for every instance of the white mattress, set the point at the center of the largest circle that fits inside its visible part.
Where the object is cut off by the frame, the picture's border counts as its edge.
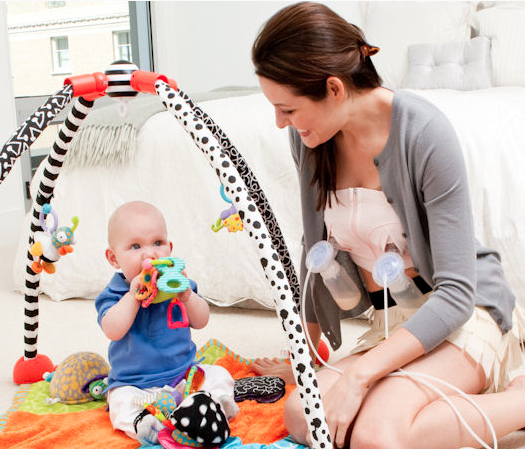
(169, 171)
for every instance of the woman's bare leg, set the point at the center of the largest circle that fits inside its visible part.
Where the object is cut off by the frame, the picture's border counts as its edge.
(401, 413)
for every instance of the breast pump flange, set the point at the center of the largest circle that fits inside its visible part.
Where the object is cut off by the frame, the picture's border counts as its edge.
(321, 259)
(389, 272)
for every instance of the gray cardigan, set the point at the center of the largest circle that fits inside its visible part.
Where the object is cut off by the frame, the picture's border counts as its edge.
(423, 176)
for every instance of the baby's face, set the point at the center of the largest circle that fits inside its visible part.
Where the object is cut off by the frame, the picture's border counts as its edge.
(139, 236)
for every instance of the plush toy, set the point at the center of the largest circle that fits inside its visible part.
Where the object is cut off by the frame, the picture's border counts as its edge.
(51, 243)
(263, 389)
(191, 415)
(80, 378)
(229, 218)
(196, 421)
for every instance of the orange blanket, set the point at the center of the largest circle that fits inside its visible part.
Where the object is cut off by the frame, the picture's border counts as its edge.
(255, 423)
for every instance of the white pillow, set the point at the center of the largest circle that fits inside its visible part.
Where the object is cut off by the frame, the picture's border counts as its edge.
(505, 27)
(452, 65)
(393, 26)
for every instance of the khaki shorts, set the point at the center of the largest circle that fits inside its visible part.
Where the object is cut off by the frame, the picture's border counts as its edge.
(499, 354)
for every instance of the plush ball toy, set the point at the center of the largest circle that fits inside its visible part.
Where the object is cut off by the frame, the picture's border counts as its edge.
(80, 378)
(199, 421)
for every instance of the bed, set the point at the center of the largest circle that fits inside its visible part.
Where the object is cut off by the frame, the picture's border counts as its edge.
(459, 55)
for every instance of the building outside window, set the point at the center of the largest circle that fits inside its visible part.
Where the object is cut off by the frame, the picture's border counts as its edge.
(61, 60)
(52, 40)
(56, 4)
(122, 45)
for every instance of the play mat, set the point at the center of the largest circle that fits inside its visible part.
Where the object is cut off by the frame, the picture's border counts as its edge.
(31, 423)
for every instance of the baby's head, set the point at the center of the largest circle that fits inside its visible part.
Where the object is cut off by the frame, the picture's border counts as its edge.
(136, 231)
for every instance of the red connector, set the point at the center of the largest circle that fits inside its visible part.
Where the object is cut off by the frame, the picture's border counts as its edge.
(145, 81)
(91, 86)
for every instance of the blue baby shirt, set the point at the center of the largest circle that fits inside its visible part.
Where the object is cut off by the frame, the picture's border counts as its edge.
(150, 354)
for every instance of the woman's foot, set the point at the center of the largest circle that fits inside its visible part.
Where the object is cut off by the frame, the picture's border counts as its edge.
(274, 367)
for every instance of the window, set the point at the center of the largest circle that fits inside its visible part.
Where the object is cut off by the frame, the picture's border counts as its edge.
(56, 4)
(60, 47)
(122, 45)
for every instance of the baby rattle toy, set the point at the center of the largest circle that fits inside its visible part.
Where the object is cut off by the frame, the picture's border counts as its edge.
(161, 280)
(229, 218)
(52, 243)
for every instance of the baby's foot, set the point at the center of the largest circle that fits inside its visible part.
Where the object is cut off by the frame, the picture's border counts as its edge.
(148, 429)
(229, 407)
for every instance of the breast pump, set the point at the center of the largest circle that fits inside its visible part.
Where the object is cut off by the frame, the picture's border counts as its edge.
(321, 259)
(389, 273)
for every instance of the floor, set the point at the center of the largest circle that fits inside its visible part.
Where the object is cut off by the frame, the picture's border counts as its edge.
(70, 326)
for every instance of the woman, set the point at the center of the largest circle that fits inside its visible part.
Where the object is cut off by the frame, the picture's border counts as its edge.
(381, 169)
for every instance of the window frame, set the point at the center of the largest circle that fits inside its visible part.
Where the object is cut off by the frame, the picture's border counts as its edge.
(117, 46)
(55, 56)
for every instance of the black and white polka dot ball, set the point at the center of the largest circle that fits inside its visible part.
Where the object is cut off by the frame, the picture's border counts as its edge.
(202, 419)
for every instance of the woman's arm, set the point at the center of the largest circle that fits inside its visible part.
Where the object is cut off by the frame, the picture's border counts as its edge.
(399, 349)
(441, 177)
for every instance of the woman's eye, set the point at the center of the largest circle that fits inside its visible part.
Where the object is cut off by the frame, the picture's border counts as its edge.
(135, 246)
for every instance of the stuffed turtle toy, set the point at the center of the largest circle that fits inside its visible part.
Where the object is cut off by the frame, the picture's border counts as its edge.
(80, 378)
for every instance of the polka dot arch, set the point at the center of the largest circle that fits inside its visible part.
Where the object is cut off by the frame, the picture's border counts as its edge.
(253, 222)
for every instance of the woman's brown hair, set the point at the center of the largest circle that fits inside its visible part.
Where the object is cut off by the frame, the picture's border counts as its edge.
(300, 47)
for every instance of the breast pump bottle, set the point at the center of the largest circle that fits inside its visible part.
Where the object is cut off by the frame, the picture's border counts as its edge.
(391, 268)
(321, 259)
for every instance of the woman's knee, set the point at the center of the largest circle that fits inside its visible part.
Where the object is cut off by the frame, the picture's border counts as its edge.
(294, 418)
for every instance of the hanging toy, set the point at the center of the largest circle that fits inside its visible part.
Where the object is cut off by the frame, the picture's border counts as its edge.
(52, 243)
(229, 218)
(161, 280)
(119, 84)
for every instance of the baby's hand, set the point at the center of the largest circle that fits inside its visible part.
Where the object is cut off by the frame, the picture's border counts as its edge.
(135, 284)
(185, 295)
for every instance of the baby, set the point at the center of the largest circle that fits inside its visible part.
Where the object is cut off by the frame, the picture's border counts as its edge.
(147, 355)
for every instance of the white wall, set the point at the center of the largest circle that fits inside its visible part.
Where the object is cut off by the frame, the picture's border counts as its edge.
(11, 193)
(207, 44)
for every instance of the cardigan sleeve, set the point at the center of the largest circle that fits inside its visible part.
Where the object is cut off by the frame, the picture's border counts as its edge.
(441, 179)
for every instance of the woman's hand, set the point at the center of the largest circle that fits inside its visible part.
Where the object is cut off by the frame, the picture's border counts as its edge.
(341, 404)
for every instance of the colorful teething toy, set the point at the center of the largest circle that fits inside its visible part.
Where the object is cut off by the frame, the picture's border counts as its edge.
(229, 218)
(51, 243)
(162, 280)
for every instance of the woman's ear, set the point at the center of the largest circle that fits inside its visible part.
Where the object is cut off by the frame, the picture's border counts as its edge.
(112, 258)
(335, 87)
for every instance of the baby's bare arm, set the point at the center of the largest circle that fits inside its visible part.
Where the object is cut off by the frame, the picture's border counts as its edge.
(196, 307)
(119, 318)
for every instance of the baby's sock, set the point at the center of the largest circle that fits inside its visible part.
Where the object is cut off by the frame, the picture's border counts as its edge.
(229, 406)
(148, 430)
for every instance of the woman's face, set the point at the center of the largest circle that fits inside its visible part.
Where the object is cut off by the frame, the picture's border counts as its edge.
(315, 121)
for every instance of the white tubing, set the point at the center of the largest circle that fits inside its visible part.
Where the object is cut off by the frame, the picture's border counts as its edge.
(418, 377)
